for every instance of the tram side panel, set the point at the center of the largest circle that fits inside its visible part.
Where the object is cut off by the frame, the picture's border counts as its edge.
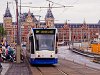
(30, 48)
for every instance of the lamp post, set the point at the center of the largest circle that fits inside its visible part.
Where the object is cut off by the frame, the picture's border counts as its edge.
(18, 40)
(70, 35)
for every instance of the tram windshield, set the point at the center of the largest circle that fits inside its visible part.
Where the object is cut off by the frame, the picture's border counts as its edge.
(44, 42)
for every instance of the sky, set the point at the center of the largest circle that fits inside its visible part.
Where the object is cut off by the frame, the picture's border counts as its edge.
(88, 10)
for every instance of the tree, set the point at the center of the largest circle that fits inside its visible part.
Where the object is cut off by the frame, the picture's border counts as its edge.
(2, 32)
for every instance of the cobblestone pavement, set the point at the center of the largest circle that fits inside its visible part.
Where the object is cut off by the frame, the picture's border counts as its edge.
(19, 69)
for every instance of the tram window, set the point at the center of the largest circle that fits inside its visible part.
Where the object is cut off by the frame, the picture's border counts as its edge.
(32, 47)
(37, 44)
(44, 42)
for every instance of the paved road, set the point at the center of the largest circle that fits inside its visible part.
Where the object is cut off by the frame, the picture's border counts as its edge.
(69, 55)
(5, 68)
(19, 69)
(63, 52)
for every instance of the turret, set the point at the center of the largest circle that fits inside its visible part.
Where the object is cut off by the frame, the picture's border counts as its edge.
(49, 18)
(7, 18)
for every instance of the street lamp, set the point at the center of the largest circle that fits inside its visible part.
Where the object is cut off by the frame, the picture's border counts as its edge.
(18, 40)
(17, 21)
(70, 35)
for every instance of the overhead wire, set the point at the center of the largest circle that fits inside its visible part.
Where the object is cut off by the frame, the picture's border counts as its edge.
(56, 3)
(12, 3)
(71, 3)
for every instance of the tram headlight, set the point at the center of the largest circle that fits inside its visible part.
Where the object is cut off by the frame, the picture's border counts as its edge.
(52, 53)
(37, 53)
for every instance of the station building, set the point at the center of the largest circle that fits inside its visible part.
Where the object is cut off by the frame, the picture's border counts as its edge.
(66, 32)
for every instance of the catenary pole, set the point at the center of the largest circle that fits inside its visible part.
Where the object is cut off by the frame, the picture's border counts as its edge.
(18, 40)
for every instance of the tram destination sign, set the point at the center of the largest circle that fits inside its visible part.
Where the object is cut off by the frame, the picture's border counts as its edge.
(44, 31)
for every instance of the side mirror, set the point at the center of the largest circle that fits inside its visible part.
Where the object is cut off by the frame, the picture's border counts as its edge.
(56, 51)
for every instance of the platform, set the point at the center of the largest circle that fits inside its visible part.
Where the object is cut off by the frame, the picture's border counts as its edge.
(5, 67)
(18, 69)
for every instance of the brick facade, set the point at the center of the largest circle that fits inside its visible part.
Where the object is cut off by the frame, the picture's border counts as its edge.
(66, 32)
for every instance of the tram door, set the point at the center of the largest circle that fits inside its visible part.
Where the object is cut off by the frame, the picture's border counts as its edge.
(31, 44)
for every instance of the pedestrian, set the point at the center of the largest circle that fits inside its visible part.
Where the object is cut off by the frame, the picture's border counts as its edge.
(0, 56)
(23, 47)
(23, 53)
(10, 54)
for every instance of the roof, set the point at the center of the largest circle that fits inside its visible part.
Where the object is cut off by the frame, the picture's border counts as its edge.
(49, 14)
(42, 23)
(99, 22)
(59, 25)
(24, 16)
(94, 25)
(76, 25)
(7, 12)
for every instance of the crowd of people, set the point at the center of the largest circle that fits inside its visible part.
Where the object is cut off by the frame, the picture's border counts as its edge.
(7, 53)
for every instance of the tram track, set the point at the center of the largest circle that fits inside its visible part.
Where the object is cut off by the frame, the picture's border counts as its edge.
(34, 70)
(64, 67)
(64, 73)
(47, 70)
(71, 68)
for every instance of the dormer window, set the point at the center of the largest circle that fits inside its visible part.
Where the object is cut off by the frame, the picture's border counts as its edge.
(29, 19)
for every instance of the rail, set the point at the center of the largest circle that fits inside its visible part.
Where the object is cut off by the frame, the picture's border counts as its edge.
(85, 53)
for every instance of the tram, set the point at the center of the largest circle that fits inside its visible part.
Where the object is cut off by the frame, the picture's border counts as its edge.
(42, 46)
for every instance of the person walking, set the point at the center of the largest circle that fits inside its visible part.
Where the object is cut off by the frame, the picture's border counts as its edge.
(23, 53)
(0, 58)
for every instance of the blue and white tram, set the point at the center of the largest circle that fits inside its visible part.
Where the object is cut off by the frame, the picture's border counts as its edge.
(42, 46)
